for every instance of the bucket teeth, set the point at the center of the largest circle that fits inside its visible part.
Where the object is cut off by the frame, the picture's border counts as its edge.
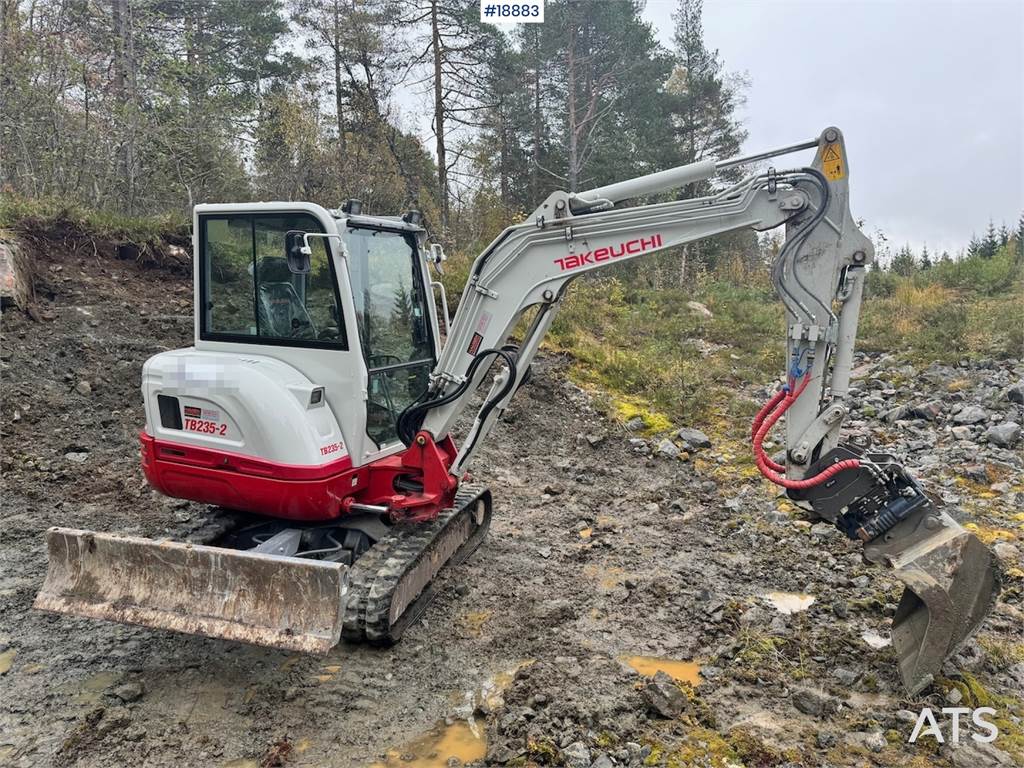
(951, 582)
(282, 602)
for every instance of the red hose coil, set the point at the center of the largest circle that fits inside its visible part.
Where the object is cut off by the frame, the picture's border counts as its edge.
(766, 418)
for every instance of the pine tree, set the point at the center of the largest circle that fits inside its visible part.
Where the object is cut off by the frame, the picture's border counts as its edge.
(926, 261)
(990, 243)
(903, 263)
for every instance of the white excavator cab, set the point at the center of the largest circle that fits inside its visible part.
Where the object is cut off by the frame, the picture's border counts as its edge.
(356, 320)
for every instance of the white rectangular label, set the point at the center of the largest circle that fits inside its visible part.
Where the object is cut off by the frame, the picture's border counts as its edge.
(496, 12)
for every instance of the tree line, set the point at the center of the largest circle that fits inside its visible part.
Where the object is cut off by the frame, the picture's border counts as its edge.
(150, 106)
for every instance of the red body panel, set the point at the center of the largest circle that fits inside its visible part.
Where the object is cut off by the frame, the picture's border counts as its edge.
(306, 493)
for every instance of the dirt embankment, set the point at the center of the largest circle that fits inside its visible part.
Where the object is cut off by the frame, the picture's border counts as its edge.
(602, 550)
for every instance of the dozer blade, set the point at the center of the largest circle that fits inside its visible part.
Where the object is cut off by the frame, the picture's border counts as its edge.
(281, 602)
(951, 582)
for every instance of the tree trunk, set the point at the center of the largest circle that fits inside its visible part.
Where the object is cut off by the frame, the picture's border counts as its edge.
(442, 158)
(570, 107)
(538, 123)
(338, 108)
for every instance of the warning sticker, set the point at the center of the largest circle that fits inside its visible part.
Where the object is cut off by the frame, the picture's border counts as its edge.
(832, 162)
(474, 344)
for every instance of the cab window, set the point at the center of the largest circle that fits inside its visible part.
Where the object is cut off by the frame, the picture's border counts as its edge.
(250, 295)
(394, 327)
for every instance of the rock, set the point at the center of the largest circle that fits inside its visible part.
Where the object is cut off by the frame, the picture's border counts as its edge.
(814, 703)
(1008, 553)
(664, 697)
(899, 413)
(577, 755)
(976, 472)
(697, 308)
(83, 387)
(827, 739)
(972, 414)
(602, 761)
(875, 741)
(846, 676)
(1004, 435)
(954, 696)
(114, 718)
(961, 432)
(76, 456)
(595, 440)
(928, 411)
(693, 439)
(978, 755)
(861, 581)
(1015, 393)
(906, 716)
(553, 490)
(15, 285)
(635, 424)
(129, 692)
(667, 449)
(555, 611)
(823, 530)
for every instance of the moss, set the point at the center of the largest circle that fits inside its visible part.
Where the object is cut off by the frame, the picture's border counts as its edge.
(755, 752)
(606, 739)
(655, 756)
(704, 747)
(542, 751)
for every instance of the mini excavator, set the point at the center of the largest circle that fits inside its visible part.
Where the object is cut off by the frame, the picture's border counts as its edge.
(319, 400)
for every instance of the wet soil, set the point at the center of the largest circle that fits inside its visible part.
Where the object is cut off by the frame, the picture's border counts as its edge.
(599, 553)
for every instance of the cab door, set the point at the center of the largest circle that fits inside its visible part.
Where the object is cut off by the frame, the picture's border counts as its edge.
(393, 314)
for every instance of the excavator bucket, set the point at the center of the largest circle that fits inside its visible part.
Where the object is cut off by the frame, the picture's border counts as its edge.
(283, 602)
(951, 582)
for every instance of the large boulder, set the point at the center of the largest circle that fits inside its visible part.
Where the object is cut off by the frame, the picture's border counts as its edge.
(1004, 435)
(15, 285)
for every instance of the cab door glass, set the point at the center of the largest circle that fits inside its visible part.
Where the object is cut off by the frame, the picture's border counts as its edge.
(391, 312)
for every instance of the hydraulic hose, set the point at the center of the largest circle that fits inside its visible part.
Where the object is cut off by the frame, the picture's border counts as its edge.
(411, 418)
(766, 418)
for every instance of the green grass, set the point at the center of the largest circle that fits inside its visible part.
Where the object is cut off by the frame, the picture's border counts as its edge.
(47, 214)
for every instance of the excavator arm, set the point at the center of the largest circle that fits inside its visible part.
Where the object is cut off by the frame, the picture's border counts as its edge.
(819, 276)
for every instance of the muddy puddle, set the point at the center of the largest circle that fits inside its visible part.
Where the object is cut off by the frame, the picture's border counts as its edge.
(461, 737)
(680, 670)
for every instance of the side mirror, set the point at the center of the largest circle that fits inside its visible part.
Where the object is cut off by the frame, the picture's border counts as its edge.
(296, 252)
(437, 254)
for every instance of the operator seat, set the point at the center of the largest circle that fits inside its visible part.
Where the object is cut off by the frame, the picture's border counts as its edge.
(281, 312)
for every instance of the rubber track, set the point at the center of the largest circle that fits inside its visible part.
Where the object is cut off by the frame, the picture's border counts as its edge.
(378, 573)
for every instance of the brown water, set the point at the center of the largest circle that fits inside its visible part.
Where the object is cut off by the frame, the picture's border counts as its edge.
(679, 670)
(460, 740)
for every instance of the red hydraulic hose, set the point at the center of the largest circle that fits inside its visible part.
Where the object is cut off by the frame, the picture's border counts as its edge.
(765, 420)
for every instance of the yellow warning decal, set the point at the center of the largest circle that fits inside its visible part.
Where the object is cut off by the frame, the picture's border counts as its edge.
(832, 162)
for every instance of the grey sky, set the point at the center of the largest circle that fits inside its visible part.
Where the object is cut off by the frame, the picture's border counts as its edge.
(930, 96)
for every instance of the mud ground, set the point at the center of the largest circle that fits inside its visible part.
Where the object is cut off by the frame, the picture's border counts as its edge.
(599, 551)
